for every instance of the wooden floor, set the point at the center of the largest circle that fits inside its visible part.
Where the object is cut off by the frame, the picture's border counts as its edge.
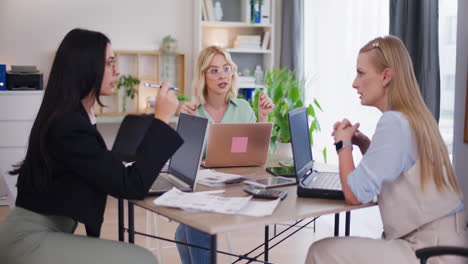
(364, 222)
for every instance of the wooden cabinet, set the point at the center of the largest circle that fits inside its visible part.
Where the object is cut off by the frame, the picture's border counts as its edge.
(237, 23)
(147, 66)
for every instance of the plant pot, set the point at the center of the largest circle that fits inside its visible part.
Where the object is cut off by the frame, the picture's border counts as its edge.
(179, 107)
(283, 154)
(126, 104)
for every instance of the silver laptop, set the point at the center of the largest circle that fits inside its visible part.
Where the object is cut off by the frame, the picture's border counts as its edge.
(237, 144)
(184, 164)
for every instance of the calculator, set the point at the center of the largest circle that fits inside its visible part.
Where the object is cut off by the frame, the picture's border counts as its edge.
(258, 192)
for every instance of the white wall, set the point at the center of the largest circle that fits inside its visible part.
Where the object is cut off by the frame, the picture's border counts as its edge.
(30, 31)
(460, 149)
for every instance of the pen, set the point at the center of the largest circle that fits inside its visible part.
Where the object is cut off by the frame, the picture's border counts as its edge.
(211, 192)
(159, 86)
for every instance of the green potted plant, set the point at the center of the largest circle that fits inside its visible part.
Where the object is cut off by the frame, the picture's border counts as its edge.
(169, 44)
(286, 91)
(129, 85)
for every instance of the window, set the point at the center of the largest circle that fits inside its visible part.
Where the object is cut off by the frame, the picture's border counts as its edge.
(335, 30)
(447, 53)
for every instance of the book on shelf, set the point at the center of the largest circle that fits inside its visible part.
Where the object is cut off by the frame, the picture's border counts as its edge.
(255, 12)
(246, 79)
(247, 42)
(204, 13)
(265, 12)
(209, 10)
(266, 39)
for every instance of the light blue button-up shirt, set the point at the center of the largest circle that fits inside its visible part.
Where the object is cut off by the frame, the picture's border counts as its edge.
(393, 151)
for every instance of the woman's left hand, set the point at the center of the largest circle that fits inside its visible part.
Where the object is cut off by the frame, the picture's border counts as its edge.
(344, 130)
(265, 106)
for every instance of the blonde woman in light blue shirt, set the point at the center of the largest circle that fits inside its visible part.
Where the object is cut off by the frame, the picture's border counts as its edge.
(215, 87)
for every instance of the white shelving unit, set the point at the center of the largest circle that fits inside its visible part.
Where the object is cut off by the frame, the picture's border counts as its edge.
(19, 110)
(236, 21)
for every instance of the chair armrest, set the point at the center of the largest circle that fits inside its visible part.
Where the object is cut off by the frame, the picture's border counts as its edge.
(425, 253)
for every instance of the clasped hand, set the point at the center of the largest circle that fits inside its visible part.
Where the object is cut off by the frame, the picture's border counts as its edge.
(346, 131)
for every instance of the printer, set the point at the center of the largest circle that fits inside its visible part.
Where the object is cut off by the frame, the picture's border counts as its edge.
(24, 78)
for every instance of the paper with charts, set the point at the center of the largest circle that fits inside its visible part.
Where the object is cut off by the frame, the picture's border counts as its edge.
(213, 178)
(215, 204)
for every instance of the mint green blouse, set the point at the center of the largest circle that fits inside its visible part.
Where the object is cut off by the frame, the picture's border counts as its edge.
(238, 111)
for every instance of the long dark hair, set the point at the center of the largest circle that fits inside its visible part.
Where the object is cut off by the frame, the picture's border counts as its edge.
(77, 71)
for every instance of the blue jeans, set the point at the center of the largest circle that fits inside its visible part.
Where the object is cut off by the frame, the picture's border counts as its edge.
(192, 255)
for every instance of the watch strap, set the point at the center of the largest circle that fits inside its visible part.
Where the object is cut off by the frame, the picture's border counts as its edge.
(342, 144)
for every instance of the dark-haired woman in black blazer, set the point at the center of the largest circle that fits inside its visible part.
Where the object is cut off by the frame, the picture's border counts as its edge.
(68, 172)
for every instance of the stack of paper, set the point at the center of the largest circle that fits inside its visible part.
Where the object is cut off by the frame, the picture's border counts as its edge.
(212, 178)
(215, 204)
(247, 42)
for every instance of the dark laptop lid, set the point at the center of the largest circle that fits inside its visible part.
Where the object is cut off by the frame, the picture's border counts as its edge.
(300, 142)
(303, 161)
(185, 162)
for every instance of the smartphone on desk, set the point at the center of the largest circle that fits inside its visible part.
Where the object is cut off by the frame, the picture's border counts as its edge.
(282, 171)
(262, 193)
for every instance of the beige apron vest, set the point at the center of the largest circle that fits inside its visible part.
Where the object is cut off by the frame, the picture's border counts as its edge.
(404, 206)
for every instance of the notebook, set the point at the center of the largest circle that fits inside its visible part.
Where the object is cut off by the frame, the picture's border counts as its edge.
(310, 183)
(185, 162)
(237, 144)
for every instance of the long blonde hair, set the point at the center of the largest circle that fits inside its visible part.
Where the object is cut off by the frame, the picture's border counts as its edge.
(404, 96)
(203, 62)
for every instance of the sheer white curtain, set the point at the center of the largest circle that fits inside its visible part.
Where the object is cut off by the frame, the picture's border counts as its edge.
(335, 30)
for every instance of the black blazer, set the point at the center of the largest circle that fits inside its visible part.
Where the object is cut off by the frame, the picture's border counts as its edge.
(85, 171)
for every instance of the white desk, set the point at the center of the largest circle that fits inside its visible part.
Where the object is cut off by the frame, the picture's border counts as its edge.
(291, 208)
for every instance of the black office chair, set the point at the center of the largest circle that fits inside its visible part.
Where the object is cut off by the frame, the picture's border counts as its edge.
(424, 253)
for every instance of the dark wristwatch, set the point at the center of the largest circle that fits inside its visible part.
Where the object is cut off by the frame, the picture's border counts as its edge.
(341, 144)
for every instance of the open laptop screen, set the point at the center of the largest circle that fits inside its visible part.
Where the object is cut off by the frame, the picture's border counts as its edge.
(300, 141)
(185, 162)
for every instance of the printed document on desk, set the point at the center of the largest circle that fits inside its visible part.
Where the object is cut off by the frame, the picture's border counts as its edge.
(212, 178)
(215, 204)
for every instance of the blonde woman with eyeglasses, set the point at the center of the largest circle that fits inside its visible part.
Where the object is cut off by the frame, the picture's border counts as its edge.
(215, 88)
(406, 165)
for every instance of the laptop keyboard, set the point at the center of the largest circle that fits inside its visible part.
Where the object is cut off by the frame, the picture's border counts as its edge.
(161, 183)
(326, 180)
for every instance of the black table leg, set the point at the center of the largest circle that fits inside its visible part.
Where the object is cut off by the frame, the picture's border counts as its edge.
(348, 223)
(337, 224)
(267, 234)
(120, 208)
(131, 223)
(213, 249)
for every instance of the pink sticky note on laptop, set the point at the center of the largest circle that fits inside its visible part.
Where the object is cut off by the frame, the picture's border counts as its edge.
(239, 144)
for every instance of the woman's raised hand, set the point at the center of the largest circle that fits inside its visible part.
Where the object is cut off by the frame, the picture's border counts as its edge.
(166, 103)
(265, 106)
(188, 108)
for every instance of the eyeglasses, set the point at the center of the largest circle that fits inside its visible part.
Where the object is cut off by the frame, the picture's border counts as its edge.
(217, 71)
(112, 62)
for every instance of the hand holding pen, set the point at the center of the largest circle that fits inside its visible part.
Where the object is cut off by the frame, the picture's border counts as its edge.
(159, 86)
(167, 104)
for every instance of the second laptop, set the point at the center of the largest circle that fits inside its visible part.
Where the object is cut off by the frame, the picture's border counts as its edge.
(237, 144)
